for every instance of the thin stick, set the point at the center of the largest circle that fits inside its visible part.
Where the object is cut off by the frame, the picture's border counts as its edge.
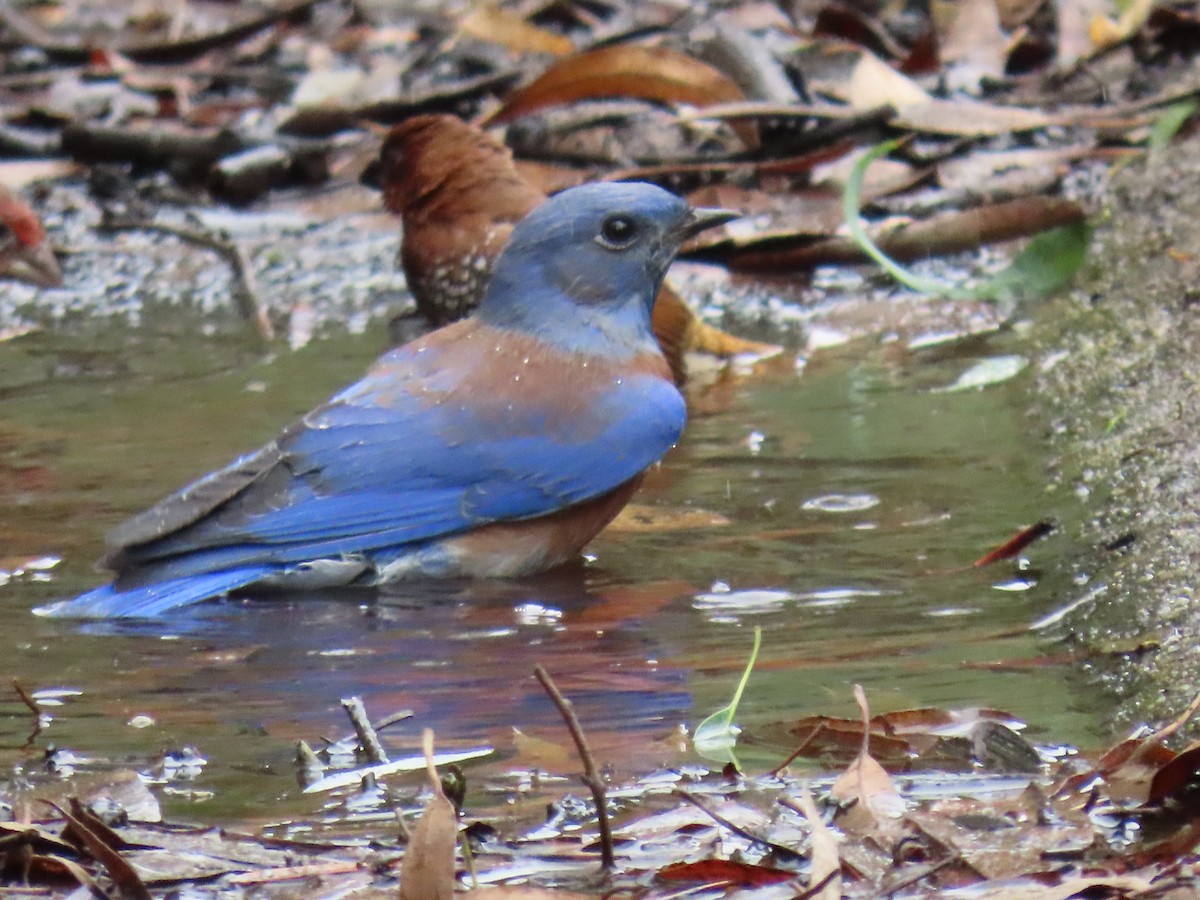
(26, 699)
(779, 850)
(33, 708)
(245, 290)
(591, 776)
(367, 738)
(804, 744)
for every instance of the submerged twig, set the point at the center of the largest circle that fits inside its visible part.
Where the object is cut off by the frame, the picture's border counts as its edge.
(367, 738)
(591, 776)
(245, 290)
(795, 754)
(33, 708)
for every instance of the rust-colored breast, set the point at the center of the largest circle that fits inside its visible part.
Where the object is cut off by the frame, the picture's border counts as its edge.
(507, 549)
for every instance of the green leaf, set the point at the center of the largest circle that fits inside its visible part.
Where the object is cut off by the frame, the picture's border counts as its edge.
(1048, 262)
(716, 736)
(1167, 125)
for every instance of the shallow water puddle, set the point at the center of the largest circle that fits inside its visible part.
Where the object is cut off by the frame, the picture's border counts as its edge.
(840, 509)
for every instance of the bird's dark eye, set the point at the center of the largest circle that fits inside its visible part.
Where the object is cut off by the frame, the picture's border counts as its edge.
(617, 232)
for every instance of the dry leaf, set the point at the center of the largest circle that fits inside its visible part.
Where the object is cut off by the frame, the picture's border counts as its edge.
(655, 74)
(16, 174)
(128, 881)
(1104, 32)
(874, 83)
(1074, 19)
(824, 851)
(427, 872)
(964, 117)
(974, 42)
(725, 872)
(866, 781)
(499, 26)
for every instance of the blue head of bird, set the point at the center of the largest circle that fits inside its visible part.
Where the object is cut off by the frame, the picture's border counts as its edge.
(581, 271)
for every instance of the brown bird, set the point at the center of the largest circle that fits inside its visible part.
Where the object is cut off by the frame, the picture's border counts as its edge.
(25, 254)
(459, 195)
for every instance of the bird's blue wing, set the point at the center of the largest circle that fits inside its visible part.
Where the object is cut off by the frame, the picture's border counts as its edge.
(359, 475)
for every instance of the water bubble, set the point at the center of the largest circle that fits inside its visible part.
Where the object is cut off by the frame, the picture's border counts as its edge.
(841, 503)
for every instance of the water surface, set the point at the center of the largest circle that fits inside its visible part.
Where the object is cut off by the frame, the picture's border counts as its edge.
(856, 496)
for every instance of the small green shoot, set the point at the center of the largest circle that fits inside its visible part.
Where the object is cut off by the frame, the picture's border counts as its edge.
(1115, 422)
(852, 203)
(1048, 262)
(716, 736)
(1167, 125)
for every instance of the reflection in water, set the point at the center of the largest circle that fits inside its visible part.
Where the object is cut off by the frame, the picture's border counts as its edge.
(854, 497)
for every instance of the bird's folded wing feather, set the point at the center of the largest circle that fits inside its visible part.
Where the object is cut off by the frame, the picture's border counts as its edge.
(367, 472)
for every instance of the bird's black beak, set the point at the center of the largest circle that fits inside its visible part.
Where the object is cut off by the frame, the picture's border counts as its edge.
(701, 218)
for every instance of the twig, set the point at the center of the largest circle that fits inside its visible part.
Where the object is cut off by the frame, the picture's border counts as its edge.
(26, 699)
(804, 744)
(398, 716)
(245, 290)
(925, 872)
(591, 776)
(367, 738)
(33, 708)
(779, 850)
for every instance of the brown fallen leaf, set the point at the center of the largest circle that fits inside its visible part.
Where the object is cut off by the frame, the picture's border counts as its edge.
(427, 872)
(42, 867)
(656, 74)
(973, 43)
(866, 783)
(965, 117)
(491, 23)
(126, 878)
(1073, 23)
(724, 872)
(1175, 776)
(1130, 766)
(826, 868)
(874, 83)
(1106, 32)
(1016, 543)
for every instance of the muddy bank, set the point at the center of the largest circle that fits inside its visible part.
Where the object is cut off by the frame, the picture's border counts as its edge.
(1118, 394)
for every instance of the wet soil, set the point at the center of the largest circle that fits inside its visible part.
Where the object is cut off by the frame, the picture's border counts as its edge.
(1119, 398)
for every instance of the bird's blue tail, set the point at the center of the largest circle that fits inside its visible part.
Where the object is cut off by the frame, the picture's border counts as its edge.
(150, 600)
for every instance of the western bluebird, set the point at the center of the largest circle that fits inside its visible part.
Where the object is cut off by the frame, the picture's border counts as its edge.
(459, 195)
(496, 446)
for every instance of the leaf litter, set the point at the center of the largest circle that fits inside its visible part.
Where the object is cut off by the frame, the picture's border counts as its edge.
(898, 816)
